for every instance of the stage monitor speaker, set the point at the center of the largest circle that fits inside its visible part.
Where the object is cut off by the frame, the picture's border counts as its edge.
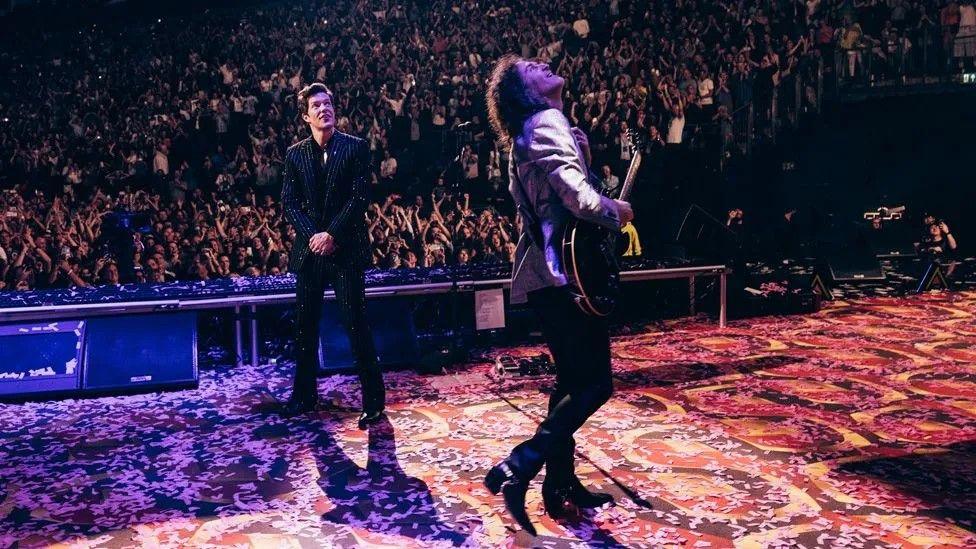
(893, 240)
(141, 352)
(810, 282)
(855, 268)
(40, 358)
(851, 257)
(394, 334)
(933, 277)
(704, 236)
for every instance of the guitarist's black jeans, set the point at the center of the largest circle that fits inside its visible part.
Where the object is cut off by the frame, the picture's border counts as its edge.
(580, 346)
(350, 290)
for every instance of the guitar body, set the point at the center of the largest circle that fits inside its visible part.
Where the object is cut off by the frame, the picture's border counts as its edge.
(590, 253)
(589, 258)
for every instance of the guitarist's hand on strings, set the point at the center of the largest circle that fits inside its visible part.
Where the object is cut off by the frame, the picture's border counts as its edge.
(625, 211)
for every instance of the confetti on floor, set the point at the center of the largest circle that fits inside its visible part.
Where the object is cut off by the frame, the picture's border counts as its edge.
(852, 427)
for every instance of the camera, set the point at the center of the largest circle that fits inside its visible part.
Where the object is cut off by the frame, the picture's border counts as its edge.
(886, 214)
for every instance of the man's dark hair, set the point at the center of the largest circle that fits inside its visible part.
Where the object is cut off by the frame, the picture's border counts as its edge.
(510, 103)
(307, 92)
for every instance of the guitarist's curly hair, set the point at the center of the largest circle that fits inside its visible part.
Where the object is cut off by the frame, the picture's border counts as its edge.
(509, 101)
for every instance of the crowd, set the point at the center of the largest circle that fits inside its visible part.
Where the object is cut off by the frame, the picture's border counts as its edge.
(66, 241)
(186, 119)
(879, 40)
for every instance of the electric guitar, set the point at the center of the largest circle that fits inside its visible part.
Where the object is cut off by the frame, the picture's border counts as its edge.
(590, 252)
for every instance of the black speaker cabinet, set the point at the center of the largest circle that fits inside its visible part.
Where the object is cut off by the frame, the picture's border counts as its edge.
(141, 352)
(855, 268)
(394, 334)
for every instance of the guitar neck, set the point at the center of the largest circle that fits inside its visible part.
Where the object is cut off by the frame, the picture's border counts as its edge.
(635, 162)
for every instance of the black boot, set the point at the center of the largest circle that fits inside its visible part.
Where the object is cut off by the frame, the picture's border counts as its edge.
(369, 417)
(374, 396)
(502, 479)
(557, 498)
(562, 490)
(298, 405)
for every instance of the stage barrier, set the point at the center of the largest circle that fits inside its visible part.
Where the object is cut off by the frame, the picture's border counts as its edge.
(98, 348)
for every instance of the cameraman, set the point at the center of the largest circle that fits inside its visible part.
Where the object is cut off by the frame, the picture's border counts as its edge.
(938, 243)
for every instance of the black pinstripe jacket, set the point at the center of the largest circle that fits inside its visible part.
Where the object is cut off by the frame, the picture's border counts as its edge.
(328, 198)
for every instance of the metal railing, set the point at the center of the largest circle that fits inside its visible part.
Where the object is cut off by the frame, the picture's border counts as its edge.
(762, 118)
(796, 94)
(933, 58)
(743, 119)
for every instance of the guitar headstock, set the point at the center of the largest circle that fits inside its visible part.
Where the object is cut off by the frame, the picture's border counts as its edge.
(636, 139)
(636, 145)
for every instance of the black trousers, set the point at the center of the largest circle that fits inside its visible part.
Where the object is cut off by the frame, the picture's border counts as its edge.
(350, 290)
(580, 346)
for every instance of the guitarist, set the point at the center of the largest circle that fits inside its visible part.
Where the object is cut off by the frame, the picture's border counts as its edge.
(549, 182)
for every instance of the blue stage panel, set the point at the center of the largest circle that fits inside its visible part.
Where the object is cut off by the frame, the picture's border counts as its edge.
(40, 357)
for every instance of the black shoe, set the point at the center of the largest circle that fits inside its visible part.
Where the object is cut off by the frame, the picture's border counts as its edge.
(368, 418)
(557, 500)
(501, 479)
(297, 406)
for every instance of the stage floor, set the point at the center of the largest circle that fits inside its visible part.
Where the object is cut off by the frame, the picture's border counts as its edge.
(853, 427)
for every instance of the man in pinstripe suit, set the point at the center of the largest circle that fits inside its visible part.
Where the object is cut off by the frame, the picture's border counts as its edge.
(324, 198)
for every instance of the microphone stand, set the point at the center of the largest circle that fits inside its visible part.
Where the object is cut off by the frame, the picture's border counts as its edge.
(461, 139)
(451, 352)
